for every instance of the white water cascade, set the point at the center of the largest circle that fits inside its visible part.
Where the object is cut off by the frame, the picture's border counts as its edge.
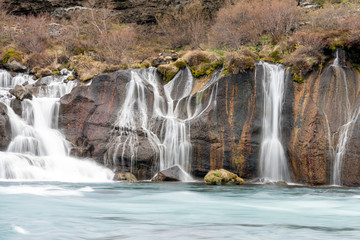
(273, 162)
(351, 114)
(171, 105)
(38, 151)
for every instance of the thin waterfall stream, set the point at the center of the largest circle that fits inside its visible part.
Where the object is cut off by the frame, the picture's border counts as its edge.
(351, 114)
(165, 120)
(273, 162)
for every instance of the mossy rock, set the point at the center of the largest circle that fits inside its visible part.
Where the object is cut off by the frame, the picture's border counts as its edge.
(202, 69)
(70, 78)
(222, 176)
(168, 71)
(11, 55)
(237, 62)
(125, 177)
(180, 63)
(42, 72)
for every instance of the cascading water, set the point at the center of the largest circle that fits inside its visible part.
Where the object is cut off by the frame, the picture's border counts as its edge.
(38, 151)
(351, 114)
(273, 162)
(171, 105)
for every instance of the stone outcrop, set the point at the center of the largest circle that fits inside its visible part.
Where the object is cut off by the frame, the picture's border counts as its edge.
(174, 173)
(222, 176)
(5, 128)
(127, 11)
(125, 177)
(87, 117)
(22, 92)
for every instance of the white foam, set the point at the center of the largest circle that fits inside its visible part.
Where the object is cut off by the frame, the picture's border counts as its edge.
(39, 191)
(20, 230)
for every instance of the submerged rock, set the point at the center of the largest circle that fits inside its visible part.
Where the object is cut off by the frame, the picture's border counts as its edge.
(222, 176)
(174, 173)
(125, 177)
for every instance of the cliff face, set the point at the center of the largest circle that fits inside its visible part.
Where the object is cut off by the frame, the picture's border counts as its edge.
(319, 124)
(127, 11)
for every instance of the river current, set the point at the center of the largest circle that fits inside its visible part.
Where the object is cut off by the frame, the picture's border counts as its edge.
(53, 210)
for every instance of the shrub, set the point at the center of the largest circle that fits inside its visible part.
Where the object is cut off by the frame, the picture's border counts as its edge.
(183, 27)
(246, 21)
(32, 35)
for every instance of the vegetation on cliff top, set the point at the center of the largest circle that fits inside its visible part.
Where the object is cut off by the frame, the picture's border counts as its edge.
(93, 41)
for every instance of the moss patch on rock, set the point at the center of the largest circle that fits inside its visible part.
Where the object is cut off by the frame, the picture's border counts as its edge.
(222, 176)
(168, 71)
(125, 177)
(11, 55)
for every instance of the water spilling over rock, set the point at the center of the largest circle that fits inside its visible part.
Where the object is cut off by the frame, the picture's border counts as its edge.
(273, 162)
(157, 117)
(38, 151)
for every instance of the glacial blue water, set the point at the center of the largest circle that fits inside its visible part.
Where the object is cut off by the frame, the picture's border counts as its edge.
(109, 211)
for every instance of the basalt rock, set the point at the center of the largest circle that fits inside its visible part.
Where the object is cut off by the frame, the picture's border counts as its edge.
(228, 134)
(15, 66)
(5, 128)
(87, 117)
(125, 177)
(222, 176)
(22, 92)
(127, 11)
(174, 173)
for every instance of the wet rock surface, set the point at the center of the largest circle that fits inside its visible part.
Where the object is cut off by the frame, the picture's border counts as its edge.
(227, 135)
(5, 128)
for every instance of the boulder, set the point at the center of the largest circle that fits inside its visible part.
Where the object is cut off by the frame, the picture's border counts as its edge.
(174, 173)
(15, 66)
(22, 92)
(222, 176)
(125, 177)
(15, 104)
(5, 128)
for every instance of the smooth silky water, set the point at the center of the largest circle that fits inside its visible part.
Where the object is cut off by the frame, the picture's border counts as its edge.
(50, 210)
(51, 202)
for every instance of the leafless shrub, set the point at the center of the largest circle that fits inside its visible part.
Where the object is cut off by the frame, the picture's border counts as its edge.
(30, 34)
(247, 20)
(186, 26)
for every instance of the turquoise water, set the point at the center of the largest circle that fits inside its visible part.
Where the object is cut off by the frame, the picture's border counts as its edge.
(47, 210)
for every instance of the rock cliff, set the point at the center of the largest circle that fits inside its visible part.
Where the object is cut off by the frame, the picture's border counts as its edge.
(127, 11)
(228, 133)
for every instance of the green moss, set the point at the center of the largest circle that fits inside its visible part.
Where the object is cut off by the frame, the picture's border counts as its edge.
(320, 2)
(199, 96)
(10, 55)
(297, 77)
(71, 78)
(222, 176)
(168, 71)
(56, 72)
(180, 63)
(202, 69)
(88, 78)
(275, 55)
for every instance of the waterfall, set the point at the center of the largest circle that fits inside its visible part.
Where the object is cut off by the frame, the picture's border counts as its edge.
(273, 162)
(351, 114)
(165, 120)
(38, 150)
